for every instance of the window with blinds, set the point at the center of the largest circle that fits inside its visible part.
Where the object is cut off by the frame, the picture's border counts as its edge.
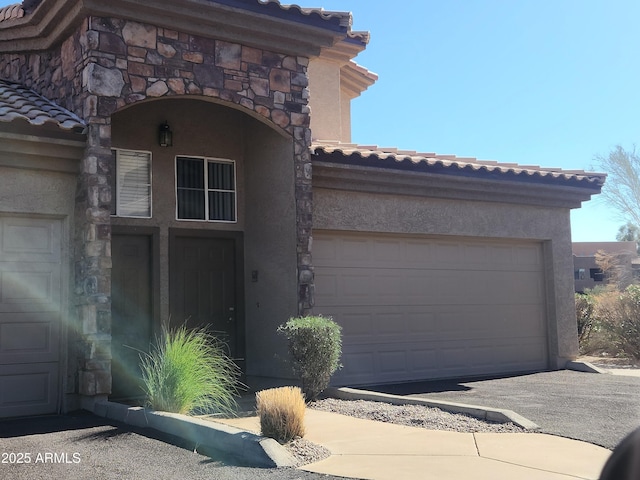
(132, 184)
(205, 189)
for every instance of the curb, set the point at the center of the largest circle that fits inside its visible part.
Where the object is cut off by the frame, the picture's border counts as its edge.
(247, 447)
(483, 413)
(584, 367)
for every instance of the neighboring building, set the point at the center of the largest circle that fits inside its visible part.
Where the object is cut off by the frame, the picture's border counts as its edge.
(623, 257)
(191, 162)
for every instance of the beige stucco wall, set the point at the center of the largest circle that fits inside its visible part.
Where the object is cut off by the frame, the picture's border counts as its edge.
(37, 192)
(345, 116)
(376, 212)
(266, 206)
(325, 100)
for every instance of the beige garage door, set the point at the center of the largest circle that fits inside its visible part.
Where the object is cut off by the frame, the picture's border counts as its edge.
(30, 296)
(417, 308)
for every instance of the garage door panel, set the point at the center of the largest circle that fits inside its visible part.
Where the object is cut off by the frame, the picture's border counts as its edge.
(393, 362)
(29, 287)
(376, 286)
(355, 325)
(30, 239)
(418, 254)
(27, 337)
(357, 364)
(422, 322)
(382, 324)
(411, 361)
(30, 306)
(29, 389)
(432, 308)
(425, 361)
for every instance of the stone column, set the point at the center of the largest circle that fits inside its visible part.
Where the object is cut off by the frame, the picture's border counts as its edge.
(93, 234)
(93, 266)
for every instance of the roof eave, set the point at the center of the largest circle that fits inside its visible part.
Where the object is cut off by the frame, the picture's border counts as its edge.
(429, 185)
(53, 19)
(355, 79)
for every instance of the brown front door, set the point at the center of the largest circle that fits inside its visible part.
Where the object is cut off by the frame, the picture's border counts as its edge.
(131, 329)
(202, 285)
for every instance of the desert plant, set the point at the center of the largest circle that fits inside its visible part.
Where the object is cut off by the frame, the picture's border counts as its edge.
(187, 371)
(619, 314)
(281, 412)
(315, 346)
(585, 305)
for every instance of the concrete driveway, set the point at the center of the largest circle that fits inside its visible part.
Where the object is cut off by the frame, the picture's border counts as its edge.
(82, 446)
(596, 408)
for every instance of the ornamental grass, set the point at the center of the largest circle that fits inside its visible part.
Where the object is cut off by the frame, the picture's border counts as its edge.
(187, 371)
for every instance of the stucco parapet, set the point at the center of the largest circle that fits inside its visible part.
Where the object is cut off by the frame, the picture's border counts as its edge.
(379, 180)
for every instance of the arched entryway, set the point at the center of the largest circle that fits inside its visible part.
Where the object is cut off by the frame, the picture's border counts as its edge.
(204, 231)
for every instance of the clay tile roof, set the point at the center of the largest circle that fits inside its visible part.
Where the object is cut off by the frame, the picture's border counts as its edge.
(19, 102)
(344, 18)
(11, 11)
(393, 158)
(340, 21)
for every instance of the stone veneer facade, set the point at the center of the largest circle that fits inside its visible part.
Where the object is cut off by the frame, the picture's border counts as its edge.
(109, 63)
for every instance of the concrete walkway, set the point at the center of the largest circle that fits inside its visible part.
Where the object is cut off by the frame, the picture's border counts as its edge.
(376, 450)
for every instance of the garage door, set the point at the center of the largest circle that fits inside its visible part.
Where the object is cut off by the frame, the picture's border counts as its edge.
(417, 308)
(30, 297)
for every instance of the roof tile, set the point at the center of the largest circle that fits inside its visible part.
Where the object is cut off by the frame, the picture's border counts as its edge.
(11, 11)
(19, 102)
(380, 156)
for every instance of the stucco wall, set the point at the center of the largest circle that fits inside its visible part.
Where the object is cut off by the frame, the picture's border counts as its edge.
(375, 212)
(270, 250)
(36, 192)
(325, 100)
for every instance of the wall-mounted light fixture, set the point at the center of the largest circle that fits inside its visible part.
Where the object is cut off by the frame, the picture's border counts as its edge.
(165, 135)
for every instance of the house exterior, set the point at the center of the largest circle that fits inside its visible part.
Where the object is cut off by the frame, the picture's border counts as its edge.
(623, 260)
(190, 162)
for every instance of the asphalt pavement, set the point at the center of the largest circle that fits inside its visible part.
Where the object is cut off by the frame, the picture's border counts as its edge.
(597, 408)
(81, 445)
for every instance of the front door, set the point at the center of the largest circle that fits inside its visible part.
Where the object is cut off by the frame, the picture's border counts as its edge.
(202, 286)
(131, 329)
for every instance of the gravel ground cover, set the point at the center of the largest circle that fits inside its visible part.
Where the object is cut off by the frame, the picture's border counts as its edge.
(413, 416)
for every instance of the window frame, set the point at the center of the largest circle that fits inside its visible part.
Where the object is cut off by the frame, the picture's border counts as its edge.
(116, 183)
(206, 161)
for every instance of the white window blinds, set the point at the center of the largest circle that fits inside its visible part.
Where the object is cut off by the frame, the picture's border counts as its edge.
(133, 196)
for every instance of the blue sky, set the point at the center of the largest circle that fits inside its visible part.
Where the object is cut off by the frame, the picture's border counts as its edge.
(543, 82)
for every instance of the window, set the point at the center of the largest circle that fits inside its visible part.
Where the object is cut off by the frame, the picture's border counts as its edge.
(205, 189)
(132, 184)
(597, 274)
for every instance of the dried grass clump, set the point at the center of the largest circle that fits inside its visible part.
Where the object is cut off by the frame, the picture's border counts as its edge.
(281, 411)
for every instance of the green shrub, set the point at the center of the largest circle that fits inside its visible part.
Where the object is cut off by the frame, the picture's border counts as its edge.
(281, 411)
(315, 346)
(187, 371)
